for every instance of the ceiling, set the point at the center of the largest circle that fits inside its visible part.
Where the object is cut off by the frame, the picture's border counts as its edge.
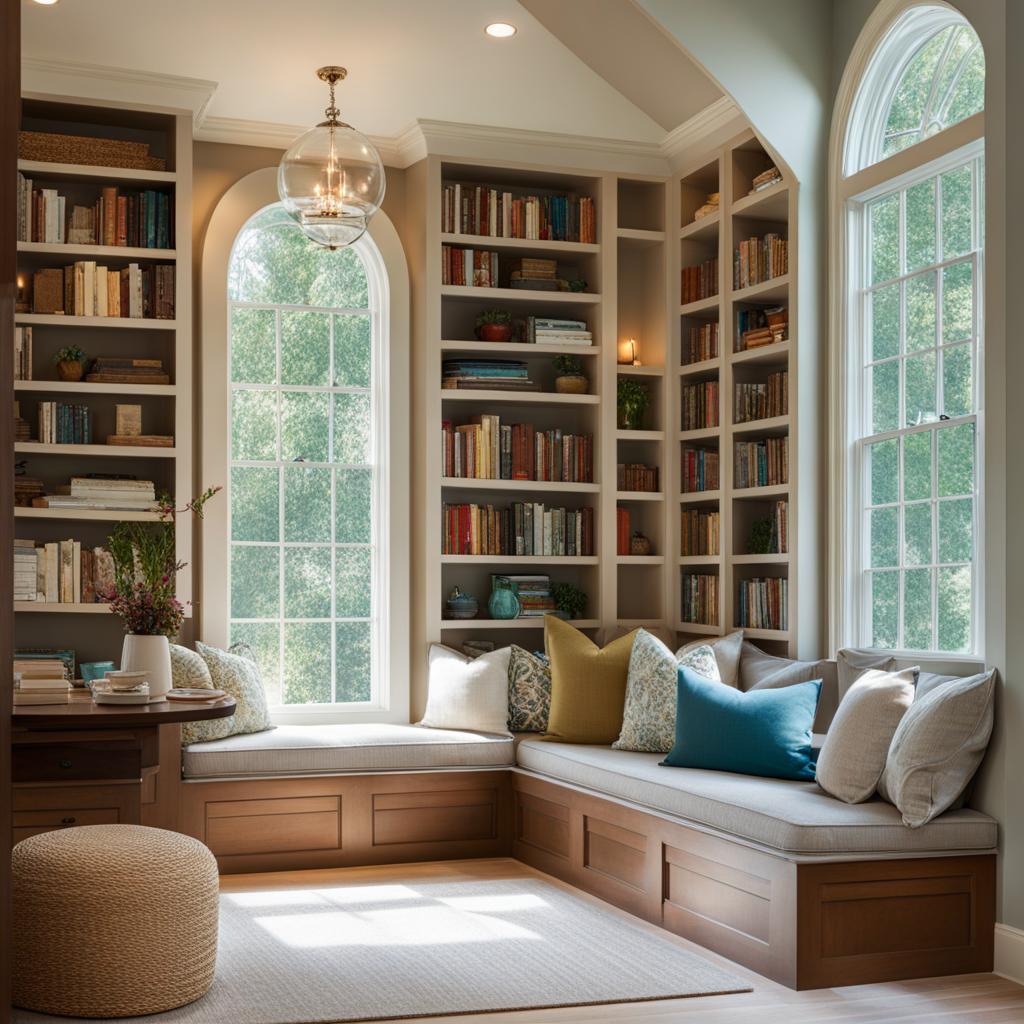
(407, 60)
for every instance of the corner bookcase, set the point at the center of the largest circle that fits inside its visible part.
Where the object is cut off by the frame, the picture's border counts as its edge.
(166, 408)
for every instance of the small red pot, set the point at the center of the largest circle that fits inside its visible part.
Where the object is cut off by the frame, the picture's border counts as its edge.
(494, 332)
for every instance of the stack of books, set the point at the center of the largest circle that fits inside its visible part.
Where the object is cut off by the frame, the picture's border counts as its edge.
(700, 533)
(40, 681)
(524, 529)
(22, 430)
(761, 401)
(88, 289)
(623, 530)
(107, 493)
(486, 375)
(700, 599)
(125, 370)
(24, 570)
(711, 202)
(700, 470)
(534, 273)
(762, 463)
(701, 343)
(765, 179)
(757, 327)
(759, 259)
(476, 267)
(27, 489)
(700, 405)
(63, 423)
(63, 572)
(763, 604)
(700, 281)
(22, 353)
(633, 476)
(533, 591)
(502, 213)
(556, 331)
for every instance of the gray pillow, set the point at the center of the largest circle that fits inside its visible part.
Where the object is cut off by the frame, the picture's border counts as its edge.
(938, 747)
(762, 671)
(727, 654)
(852, 664)
(853, 755)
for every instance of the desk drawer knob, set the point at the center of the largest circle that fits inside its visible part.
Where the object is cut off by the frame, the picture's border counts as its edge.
(67, 821)
(65, 764)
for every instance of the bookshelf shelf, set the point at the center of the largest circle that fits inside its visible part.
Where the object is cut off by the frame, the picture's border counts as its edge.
(640, 559)
(701, 434)
(707, 305)
(86, 515)
(529, 486)
(114, 322)
(104, 450)
(639, 496)
(536, 397)
(699, 629)
(771, 204)
(691, 497)
(775, 290)
(475, 294)
(519, 348)
(776, 353)
(771, 425)
(765, 634)
(521, 245)
(709, 366)
(640, 435)
(647, 623)
(641, 236)
(758, 493)
(61, 608)
(775, 559)
(54, 387)
(114, 252)
(625, 370)
(703, 230)
(700, 559)
(40, 170)
(536, 622)
(519, 559)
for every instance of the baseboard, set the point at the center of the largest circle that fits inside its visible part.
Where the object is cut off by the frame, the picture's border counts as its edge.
(1009, 953)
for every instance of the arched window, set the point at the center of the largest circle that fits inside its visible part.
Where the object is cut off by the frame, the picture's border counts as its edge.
(909, 330)
(307, 463)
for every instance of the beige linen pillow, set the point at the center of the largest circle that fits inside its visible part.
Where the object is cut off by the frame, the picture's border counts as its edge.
(853, 664)
(727, 654)
(467, 693)
(853, 756)
(938, 747)
(762, 671)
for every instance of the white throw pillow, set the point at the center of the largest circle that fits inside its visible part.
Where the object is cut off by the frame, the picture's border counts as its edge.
(853, 755)
(938, 747)
(467, 693)
(727, 653)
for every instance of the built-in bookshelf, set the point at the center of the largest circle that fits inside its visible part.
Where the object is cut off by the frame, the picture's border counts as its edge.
(128, 230)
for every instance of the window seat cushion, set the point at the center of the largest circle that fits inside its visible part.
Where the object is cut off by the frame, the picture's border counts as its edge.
(320, 749)
(795, 817)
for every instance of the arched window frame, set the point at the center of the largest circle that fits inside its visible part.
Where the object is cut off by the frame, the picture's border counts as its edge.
(857, 174)
(388, 282)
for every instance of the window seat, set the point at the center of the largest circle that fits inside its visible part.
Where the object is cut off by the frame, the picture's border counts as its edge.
(323, 749)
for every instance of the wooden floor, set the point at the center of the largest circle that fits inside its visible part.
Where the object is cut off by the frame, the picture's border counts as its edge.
(975, 998)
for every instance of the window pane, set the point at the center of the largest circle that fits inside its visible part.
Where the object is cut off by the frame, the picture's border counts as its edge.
(884, 537)
(919, 389)
(954, 609)
(885, 322)
(956, 460)
(254, 581)
(917, 534)
(917, 609)
(956, 530)
(254, 426)
(917, 466)
(352, 351)
(885, 238)
(352, 506)
(883, 468)
(264, 639)
(921, 225)
(957, 302)
(352, 582)
(907, 109)
(885, 397)
(304, 426)
(957, 202)
(253, 346)
(921, 312)
(307, 663)
(969, 97)
(352, 428)
(884, 597)
(307, 583)
(352, 658)
(307, 504)
(957, 381)
(305, 347)
(254, 503)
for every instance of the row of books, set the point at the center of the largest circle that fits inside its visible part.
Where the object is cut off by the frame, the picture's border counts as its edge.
(633, 476)
(757, 327)
(40, 681)
(762, 463)
(700, 405)
(533, 591)
(701, 343)
(760, 259)
(127, 370)
(102, 493)
(487, 449)
(62, 572)
(700, 599)
(557, 331)
(64, 423)
(476, 267)
(22, 353)
(700, 533)
(763, 603)
(761, 401)
(486, 375)
(700, 470)
(524, 528)
(87, 289)
(767, 178)
(502, 213)
(700, 281)
(778, 542)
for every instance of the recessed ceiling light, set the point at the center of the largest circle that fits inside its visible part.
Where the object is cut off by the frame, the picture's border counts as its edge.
(500, 30)
(46, 3)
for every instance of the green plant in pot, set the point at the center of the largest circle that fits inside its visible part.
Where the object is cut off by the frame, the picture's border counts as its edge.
(70, 363)
(494, 325)
(633, 400)
(569, 376)
(762, 539)
(570, 601)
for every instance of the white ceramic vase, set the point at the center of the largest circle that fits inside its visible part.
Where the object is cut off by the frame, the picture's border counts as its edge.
(149, 654)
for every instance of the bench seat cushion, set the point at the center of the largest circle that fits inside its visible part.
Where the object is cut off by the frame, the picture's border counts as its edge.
(320, 749)
(795, 817)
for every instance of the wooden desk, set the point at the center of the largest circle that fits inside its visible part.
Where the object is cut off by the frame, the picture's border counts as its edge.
(82, 763)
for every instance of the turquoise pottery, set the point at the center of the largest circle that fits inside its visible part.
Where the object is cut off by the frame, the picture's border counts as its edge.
(504, 603)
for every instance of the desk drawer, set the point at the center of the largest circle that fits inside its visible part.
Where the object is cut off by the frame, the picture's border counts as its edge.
(43, 808)
(31, 823)
(59, 762)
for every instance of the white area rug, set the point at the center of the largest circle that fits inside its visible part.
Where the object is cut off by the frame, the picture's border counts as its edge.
(425, 948)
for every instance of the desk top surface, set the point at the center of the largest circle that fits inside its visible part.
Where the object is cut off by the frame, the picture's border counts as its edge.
(81, 712)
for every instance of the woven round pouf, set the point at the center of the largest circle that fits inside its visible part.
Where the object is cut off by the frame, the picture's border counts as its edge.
(112, 921)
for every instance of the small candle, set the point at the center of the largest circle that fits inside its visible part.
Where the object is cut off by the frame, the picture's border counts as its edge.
(627, 352)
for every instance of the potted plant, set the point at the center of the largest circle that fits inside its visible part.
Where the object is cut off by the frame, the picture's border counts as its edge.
(70, 363)
(145, 564)
(494, 325)
(570, 601)
(632, 400)
(569, 377)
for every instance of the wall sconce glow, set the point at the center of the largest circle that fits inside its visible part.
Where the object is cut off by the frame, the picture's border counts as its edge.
(626, 354)
(500, 30)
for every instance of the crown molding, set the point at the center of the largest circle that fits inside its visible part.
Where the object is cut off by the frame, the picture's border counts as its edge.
(50, 76)
(704, 130)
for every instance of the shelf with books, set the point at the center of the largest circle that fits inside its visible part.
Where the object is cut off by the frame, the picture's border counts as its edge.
(766, 634)
(640, 236)
(703, 230)
(86, 515)
(70, 250)
(521, 246)
(525, 349)
(770, 426)
(770, 204)
(700, 559)
(700, 306)
(534, 297)
(42, 170)
(95, 450)
(639, 496)
(775, 289)
(519, 559)
(757, 493)
(709, 368)
(481, 484)
(701, 434)
(624, 370)
(775, 354)
(62, 608)
(640, 559)
(529, 397)
(640, 435)
(699, 629)
(53, 387)
(129, 322)
(695, 497)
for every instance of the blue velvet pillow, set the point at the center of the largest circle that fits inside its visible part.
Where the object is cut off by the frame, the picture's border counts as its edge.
(761, 732)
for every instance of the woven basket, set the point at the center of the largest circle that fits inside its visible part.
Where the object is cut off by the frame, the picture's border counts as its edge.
(53, 147)
(112, 921)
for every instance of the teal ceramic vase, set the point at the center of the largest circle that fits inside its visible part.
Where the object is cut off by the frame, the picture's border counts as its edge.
(504, 602)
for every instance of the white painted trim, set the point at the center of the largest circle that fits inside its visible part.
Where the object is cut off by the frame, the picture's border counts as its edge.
(239, 203)
(1008, 960)
(708, 127)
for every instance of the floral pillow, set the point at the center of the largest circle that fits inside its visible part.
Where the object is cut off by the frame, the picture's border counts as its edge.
(649, 716)
(188, 670)
(529, 691)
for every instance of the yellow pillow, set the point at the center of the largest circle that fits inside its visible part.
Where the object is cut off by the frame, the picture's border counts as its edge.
(588, 684)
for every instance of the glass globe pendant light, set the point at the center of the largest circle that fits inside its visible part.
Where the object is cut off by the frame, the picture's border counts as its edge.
(331, 181)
